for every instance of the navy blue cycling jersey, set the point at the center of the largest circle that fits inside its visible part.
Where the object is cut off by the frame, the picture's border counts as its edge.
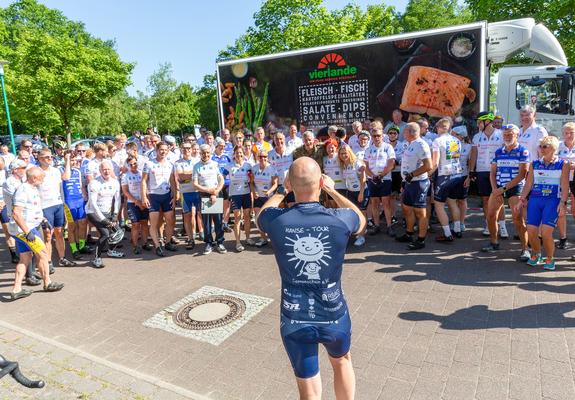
(547, 178)
(508, 163)
(72, 189)
(309, 242)
(223, 162)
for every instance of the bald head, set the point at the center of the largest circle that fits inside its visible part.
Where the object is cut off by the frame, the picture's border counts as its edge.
(34, 176)
(304, 176)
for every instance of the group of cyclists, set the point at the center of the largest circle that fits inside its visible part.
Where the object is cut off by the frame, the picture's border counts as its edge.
(137, 184)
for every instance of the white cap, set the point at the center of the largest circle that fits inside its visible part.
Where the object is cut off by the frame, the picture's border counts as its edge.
(169, 139)
(460, 130)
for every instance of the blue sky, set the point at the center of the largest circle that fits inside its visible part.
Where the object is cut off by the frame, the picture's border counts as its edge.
(186, 33)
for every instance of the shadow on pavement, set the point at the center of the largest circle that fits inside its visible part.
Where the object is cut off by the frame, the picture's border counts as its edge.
(550, 315)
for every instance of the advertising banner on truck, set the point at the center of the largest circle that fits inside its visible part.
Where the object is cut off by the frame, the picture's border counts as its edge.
(433, 73)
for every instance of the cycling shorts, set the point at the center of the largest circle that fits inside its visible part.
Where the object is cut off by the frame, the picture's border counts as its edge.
(239, 201)
(136, 214)
(24, 245)
(189, 201)
(415, 193)
(542, 211)
(301, 341)
(449, 187)
(55, 215)
(74, 214)
(483, 184)
(160, 202)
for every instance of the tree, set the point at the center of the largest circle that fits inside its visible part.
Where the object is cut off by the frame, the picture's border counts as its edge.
(557, 15)
(173, 106)
(282, 25)
(207, 103)
(57, 68)
(428, 14)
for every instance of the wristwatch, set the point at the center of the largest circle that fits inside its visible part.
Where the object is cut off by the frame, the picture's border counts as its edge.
(281, 190)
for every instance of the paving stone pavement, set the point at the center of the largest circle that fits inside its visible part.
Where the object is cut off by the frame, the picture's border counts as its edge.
(447, 322)
(70, 375)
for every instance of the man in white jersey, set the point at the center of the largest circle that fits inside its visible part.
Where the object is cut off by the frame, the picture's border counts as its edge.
(121, 154)
(159, 195)
(138, 214)
(484, 145)
(415, 166)
(174, 153)
(379, 160)
(281, 159)
(566, 152)
(53, 205)
(396, 120)
(364, 141)
(353, 140)
(26, 218)
(449, 186)
(190, 197)
(102, 210)
(209, 182)
(93, 166)
(293, 141)
(530, 133)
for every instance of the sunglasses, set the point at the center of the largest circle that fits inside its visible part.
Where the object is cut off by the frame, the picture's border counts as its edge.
(133, 164)
(80, 151)
(392, 133)
(544, 146)
(376, 135)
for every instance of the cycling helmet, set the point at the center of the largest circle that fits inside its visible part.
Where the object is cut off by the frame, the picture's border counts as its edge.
(59, 143)
(116, 236)
(485, 116)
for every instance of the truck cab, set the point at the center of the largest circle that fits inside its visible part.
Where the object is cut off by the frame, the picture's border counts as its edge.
(547, 86)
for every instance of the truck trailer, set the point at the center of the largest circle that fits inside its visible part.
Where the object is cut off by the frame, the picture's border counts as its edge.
(432, 73)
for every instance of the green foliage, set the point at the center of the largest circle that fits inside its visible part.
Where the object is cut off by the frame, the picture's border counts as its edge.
(429, 14)
(173, 107)
(206, 103)
(282, 25)
(57, 69)
(557, 15)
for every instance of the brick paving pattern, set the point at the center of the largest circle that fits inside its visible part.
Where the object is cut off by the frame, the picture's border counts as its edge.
(447, 322)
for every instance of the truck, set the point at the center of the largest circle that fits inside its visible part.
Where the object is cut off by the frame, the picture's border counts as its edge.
(433, 73)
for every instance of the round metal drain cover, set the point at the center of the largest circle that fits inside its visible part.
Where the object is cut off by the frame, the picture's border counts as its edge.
(209, 312)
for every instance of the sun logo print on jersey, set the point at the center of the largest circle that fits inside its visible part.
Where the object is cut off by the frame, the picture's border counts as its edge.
(452, 150)
(309, 253)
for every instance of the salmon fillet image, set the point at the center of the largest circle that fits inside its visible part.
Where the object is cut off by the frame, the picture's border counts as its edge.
(434, 92)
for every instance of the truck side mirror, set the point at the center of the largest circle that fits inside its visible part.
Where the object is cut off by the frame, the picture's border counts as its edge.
(535, 81)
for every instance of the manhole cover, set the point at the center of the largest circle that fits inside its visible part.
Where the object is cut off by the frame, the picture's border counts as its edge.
(209, 312)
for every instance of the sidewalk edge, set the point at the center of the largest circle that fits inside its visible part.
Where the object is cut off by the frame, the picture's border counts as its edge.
(120, 368)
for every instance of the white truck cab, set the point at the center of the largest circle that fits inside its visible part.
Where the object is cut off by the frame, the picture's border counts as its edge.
(549, 86)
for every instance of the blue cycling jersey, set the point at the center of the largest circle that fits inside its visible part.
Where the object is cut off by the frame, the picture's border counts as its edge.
(547, 178)
(223, 162)
(72, 189)
(309, 242)
(508, 163)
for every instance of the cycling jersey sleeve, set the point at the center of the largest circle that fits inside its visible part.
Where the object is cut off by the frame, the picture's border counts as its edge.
(267, 216)
(117, 202)
(93, 189)
(348, 217)
(524, 156)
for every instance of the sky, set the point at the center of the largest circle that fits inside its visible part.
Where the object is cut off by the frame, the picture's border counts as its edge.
(186, 33)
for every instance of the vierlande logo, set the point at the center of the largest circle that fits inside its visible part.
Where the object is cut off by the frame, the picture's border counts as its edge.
(332, 65)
